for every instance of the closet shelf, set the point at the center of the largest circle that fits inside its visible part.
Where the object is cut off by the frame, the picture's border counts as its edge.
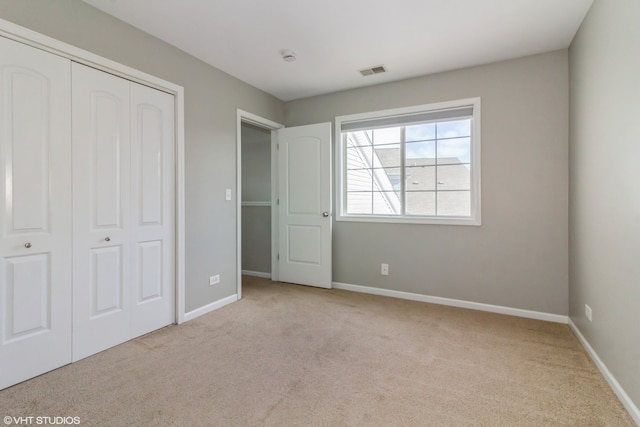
(254, 203)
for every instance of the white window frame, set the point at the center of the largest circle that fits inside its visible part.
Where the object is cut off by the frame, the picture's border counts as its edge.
(341, 193)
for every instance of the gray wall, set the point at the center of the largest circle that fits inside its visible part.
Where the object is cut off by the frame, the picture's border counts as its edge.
(211, 100)
(605, 183)
(256, 187)
(518, 257)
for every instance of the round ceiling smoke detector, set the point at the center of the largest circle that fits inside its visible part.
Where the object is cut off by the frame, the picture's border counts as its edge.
(288, 55)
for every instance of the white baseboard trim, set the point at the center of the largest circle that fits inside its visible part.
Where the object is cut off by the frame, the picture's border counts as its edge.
(549, 317)
(210, 307)
(256, 274)
(613, 383)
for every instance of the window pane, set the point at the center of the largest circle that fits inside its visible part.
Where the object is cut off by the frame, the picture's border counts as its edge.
(359, 180)
(387, 179)
(421, 132)
(452, 151)
(360, 137)
(421, 178)
(421, 203)
(387, 156)
(454, 203)
(359, 157)
(454, 177)
(420, 153)
(360, 203)
(386, 203)
(453, 129)
(386, 136)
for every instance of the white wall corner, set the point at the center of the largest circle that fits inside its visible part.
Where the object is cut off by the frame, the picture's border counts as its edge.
(631, 407)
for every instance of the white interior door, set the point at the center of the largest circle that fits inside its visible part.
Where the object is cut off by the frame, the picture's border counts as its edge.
(35, 212)
(101, 211)
(152, 193)
(304, 184)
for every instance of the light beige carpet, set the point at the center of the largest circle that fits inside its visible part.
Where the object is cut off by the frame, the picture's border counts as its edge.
(290, 355)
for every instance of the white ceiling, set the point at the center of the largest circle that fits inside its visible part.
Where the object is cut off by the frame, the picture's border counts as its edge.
(333, 39)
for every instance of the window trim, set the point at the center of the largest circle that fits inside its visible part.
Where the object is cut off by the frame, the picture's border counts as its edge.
(341, 193)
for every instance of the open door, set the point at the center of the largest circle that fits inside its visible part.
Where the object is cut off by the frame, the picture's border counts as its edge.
(304, 209)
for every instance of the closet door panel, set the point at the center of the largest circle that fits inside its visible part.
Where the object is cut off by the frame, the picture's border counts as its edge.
(106, 280)
(149, 266)
(28, 295)
(27, 112)
(35, 212)
(152, 154)
(148, 130)
(101, 242)
(105, 149)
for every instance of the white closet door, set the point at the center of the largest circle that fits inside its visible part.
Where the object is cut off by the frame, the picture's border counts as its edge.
(101, 211)
(35, 212)
(123, 244)
(152, 177)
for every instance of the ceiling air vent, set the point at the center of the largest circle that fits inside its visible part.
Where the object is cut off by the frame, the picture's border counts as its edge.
(378, 69)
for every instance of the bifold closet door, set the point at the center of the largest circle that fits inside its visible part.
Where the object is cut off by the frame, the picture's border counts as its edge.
(101, 211)
(35, 212)
(152, 209)
(123, 244)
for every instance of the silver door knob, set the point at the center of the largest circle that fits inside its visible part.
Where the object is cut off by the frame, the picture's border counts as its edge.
(27, 245)
(325, 214)
(107, 239)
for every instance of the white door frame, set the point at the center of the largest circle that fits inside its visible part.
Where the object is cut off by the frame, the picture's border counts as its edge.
(40, 41)
(261, 122)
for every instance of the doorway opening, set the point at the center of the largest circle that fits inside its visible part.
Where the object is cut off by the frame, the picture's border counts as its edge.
(256, 183)
(256, 201)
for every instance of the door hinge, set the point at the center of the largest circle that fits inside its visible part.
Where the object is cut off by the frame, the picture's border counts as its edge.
(278, 202)
(278, 257)
(277, 146)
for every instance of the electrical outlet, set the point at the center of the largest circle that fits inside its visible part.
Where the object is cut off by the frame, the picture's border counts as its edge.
(384, 269)
(588, 312)
(228, 194)
(214, 280)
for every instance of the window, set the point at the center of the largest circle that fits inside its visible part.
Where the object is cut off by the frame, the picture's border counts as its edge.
(418, 165)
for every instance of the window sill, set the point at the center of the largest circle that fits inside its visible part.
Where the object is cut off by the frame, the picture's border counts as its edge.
(412, 220)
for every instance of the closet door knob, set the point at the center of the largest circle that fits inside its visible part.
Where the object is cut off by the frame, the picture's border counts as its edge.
(27, 245)
(325, 214)
(107, 239)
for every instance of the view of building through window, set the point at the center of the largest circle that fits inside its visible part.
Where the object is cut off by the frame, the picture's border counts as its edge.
(414, 170)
